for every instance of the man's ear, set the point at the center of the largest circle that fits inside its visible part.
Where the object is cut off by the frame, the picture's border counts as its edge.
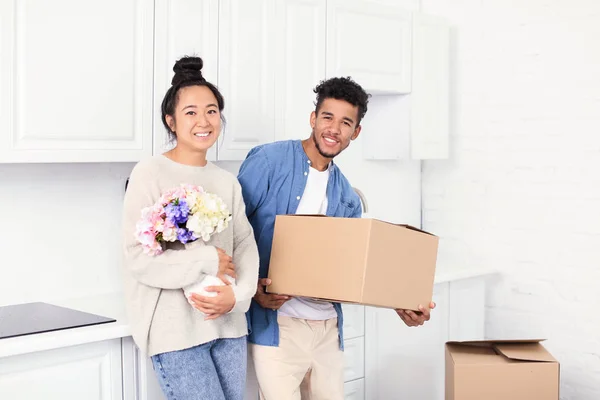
(313, 119)
(356, 133)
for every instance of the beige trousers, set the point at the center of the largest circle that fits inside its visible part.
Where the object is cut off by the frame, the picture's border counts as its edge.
(307, 365)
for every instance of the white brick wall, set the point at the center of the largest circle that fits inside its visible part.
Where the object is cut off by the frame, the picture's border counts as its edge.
(521, 192)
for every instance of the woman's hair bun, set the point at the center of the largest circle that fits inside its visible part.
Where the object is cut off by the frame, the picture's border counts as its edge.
(187, 69)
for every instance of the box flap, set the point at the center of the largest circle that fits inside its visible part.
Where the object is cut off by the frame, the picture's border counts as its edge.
(490, 342)
(407, 226)
(415, 229)
(524, 352)
(512, 349)
(470, 355)
(303, 215)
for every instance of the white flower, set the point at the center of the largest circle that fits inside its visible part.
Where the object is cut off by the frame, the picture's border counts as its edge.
(169, 233)
(209, 215)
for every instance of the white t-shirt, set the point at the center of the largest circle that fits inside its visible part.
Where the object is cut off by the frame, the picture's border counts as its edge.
(313, 201)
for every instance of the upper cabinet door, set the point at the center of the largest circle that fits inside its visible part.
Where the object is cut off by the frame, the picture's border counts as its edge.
(246, 75)
(300, 64)
(75, 80)
(183, 28)
(371, 42)
(430, 97)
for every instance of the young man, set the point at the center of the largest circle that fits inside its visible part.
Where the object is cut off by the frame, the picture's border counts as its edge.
(296, 343)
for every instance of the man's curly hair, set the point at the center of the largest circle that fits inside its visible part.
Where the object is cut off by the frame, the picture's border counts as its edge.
(343, 89)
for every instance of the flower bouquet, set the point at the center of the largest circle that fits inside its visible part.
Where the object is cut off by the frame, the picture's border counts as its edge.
(183, 214)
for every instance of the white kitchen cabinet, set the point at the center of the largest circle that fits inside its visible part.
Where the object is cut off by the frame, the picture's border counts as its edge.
(299, 65)
(408, 363)
(386, 128)
(183, 28)
(371, 42)
(139, 379)
(354, 390)
(354, 359)
(354, 320)
(246, 75)
(403, 361)
(72, 90)
(90, 371)
(75, 80)
(430, 95)
(354, 351)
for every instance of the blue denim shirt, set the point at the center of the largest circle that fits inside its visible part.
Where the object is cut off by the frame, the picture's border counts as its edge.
(273, 177)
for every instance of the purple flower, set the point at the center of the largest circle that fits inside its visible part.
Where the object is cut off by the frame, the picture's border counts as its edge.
(184, 236)
(177, 213)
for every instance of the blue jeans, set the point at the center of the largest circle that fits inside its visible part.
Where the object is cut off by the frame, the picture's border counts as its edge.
(211, 371)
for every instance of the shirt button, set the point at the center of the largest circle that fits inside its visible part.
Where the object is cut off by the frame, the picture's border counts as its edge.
(297, 197)
(306, 173)
(308, 161)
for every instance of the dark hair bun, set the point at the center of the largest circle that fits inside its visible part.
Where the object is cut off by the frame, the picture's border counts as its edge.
(187, 69)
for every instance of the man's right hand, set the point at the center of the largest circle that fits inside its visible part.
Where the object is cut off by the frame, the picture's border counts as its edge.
(226, 266)
(268, 300)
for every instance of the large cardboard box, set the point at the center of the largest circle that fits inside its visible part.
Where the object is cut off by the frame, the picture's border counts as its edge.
(501, 370)
(353, 260)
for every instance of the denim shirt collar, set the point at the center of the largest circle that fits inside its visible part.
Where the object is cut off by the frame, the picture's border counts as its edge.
(333, 191)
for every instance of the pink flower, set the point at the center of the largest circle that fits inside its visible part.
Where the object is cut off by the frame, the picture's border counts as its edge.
(147, 239)
(147, 227)
(154, 249)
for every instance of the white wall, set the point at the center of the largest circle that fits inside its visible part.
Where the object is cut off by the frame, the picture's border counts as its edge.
(521, 192)
(61, 230)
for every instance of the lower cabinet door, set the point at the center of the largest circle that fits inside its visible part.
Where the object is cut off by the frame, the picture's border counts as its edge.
(90, 371)
(354, 359)
(354, 390)
(139, 379)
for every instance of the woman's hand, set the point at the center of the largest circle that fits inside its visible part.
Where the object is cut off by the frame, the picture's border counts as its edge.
(216, 306)
(226, 266)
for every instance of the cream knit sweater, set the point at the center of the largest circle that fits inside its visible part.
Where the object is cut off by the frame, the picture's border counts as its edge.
(159, 314)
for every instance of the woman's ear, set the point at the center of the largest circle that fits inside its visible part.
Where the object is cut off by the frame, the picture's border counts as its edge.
(170, 122)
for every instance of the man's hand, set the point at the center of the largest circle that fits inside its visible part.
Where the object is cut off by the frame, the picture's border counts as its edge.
(415, 318)
(268, 300)
(226, 266)
(216, 306)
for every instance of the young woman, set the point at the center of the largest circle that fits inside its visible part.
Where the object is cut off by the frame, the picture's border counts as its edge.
(196, 355)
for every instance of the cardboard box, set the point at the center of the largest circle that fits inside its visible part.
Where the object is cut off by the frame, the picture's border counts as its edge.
(353, 260)
(501, 370)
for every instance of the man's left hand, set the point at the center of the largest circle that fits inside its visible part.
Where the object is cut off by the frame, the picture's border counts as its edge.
(415, 318)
